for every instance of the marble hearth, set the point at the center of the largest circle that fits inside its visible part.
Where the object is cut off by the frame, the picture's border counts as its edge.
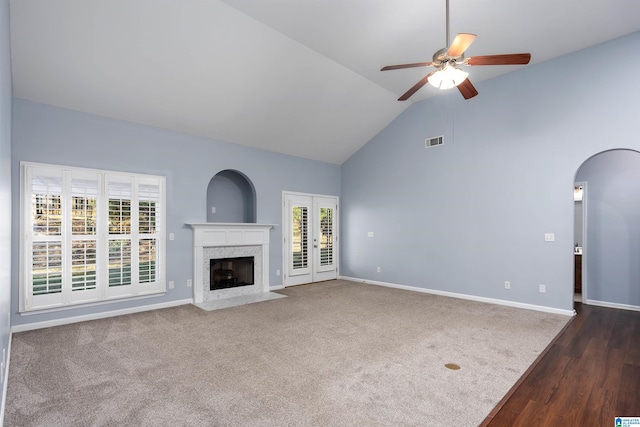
(228, 240)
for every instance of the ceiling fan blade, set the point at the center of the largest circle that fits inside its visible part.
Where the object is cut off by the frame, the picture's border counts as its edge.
(508, 59)
(401, 66)
(460, 44)
(467, 89)
(415, 88)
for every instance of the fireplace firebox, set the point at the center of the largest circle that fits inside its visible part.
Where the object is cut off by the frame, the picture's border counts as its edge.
(231, 272)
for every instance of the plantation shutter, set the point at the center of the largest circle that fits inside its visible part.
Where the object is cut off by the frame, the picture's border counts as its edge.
(46, 238)
(326, 236)
(299, 239)
(148, 228)
(81, 214)
(119, 194)
(89, 235)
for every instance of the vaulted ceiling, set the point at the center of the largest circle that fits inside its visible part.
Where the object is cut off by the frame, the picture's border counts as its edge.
(299, 77)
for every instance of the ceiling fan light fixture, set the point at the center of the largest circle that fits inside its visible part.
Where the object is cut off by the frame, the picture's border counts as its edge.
(447, 77)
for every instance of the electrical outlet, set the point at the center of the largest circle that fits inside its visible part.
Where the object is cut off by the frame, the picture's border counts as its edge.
(370, 234)
(542, 289)
(188, 283)
(549, 237)
(171, 284)
(507, 285)
(213, 209)
(172, 236)
(378, 269)
(277, 272)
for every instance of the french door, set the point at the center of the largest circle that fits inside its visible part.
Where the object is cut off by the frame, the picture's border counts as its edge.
(310, 238)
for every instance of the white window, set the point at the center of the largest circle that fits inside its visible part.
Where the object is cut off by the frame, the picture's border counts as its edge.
(89, 236)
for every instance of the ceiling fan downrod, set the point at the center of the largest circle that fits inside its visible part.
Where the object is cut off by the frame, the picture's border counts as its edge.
(448, 32)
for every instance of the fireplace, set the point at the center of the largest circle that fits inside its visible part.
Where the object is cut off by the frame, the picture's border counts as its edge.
(225, 241)
(231, 272)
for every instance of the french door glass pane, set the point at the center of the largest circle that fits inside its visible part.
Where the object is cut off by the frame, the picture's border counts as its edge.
(299, 227)
(326, 236)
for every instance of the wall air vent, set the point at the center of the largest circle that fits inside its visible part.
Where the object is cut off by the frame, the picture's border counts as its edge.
(433, 142)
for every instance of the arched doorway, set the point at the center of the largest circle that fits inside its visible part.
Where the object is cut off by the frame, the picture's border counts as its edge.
(231, 198)
(611, 238)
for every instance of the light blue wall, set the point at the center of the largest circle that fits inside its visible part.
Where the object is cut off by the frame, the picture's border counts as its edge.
(469, 215)
(49, 134)
(5, 177)
(613, 226)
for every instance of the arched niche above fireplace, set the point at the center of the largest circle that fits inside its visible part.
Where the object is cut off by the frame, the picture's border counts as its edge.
(231, 198)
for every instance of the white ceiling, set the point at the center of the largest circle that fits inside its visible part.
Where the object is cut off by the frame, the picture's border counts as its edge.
(299, 77)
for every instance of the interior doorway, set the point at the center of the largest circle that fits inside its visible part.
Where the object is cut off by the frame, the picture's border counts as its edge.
(310, 238)
(610, 251)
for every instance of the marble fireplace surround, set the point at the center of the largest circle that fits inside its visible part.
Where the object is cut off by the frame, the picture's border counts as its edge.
(223, 240)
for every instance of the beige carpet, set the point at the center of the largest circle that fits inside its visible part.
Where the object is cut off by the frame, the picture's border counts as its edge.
(331, 354)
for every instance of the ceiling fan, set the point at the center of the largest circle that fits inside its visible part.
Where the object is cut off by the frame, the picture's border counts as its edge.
(446, 61)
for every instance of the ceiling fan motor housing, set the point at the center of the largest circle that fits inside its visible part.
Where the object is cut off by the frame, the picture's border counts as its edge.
(441, 58)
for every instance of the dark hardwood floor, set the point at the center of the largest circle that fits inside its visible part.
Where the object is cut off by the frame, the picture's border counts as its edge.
(587, 376)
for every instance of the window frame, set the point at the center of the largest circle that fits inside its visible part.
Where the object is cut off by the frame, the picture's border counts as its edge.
(151, 233)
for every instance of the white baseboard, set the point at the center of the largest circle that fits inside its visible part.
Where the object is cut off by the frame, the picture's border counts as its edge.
(276, 287)
(612, 305)
(103, 315)
(6, 381)
(464, 296)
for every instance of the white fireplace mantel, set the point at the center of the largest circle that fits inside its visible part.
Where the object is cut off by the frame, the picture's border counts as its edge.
(215, 234)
